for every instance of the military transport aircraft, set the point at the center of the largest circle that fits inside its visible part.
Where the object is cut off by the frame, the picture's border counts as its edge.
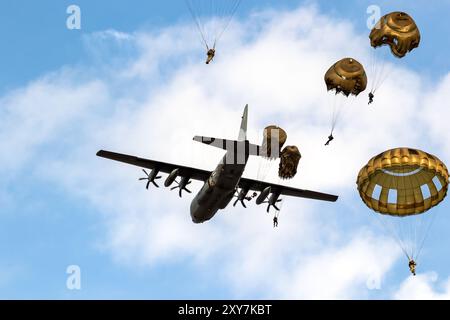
(224, 183)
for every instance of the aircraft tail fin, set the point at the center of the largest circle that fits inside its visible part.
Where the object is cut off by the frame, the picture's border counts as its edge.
(243, 129)
(235, 145)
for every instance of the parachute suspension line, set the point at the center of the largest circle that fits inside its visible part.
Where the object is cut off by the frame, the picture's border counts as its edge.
(333, 116)
(425, 222)
(197, 23)
(384, 77)
(418, 226)
(376, 58)
(372, 68)
(397, 237)
(399, 226)
(379, 72)
(339, 111)
(393, 227)
(375, 69)
(430, 224)
(337, 106)
(340, 108)
(227, 24)
(413, 221)
(409, 220)
(264, 168)
(219, 14)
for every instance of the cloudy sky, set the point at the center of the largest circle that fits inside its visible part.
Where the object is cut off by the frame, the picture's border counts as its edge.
(133, 80)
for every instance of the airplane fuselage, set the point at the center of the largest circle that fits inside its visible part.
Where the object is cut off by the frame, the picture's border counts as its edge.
(219, 189)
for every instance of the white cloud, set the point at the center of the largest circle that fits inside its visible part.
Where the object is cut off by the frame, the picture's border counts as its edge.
(424, 287)
(38, 114)
(435, 109)
(342, 272)
(152, 106)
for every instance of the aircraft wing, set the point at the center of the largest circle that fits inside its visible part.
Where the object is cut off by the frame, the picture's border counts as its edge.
(256, 185)
(196, 174)
(203, 175)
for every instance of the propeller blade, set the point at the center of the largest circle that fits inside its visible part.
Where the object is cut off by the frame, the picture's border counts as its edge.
(140, 179)
(145, 172)
(158, 177)
(148, 184)
(173, 188)
(241, 201)
(187, 190)
(155, 184)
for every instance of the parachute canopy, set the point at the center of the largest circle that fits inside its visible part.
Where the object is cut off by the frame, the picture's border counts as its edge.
(290, 157)
(397, 30)
(274, 139)
(212, 18)
(347, 76)
(409, 175)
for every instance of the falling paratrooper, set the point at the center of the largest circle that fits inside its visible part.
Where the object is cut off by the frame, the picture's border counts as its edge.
(399, 31)
(344, 78)
(402, 185)
(212, 18)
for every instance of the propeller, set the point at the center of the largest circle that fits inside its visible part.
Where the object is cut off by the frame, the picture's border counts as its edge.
(272, 201)
(184, 182)
(270, 204)
(242, 196)
(151, 177)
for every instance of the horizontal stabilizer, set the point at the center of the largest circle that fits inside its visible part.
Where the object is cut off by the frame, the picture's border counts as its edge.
(231, 145)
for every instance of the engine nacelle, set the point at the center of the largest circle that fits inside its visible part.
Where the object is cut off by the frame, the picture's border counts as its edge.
(274, 198)
(184, 182)
(242, 194)
(153, 175)
(263, 196)
(171, 178)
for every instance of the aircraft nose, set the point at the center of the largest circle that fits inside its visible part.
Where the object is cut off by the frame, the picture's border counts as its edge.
(197, 213)
(194, 209)
(195, 220)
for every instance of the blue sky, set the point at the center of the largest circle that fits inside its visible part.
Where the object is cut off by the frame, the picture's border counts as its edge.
(46, 225)
(38, 41)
